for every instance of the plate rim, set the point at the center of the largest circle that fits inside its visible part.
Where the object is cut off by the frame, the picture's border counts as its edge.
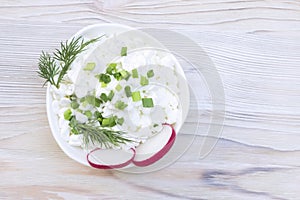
(53, 118)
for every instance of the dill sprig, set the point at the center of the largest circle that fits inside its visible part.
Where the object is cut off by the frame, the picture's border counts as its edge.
(60, 62)
(53, 69)
(97, 135)
(48, 68)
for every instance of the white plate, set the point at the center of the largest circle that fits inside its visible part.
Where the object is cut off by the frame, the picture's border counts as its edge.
(93, 31)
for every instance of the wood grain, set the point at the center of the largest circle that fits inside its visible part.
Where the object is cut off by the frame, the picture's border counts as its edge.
(253, 44)
(255, 16)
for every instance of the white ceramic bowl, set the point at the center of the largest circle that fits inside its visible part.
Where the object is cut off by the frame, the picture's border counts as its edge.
(93, 31)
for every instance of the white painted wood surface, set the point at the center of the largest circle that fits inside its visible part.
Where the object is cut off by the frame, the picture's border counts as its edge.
(255, 46)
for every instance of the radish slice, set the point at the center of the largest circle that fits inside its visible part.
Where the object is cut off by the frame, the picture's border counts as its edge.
(155, 148)
(110, 158)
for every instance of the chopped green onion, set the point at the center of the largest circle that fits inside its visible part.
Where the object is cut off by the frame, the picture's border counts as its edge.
(74, 105)
(73, 124)
(120, 105)
(68, 114)
(144, 81)
(147, 102)
(105, 122)
(89, 66)
(150, 73)
(124, 51)
(113, 65)
(155, 125)
(120, 121)
(73, 97)
(91, 100)
(82, 99)
(136, 96)
(118, 87)
(127, 91)
(125, 74)
(97, 102)
(109, 122)
(135, 73)
(118, 76)
(103, 85)
(104, 78)
(126, 78)
(110, 95)
(88, 113)
(84, 104)
(104, 97)
(111, 68)
(98, 115)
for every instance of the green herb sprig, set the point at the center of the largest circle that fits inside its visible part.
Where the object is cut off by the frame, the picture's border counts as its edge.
(53, 69)
(97, 135)
(60, 62)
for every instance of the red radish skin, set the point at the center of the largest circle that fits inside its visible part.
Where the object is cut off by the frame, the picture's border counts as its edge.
(157, 156)
(101, 166)
(160, 153)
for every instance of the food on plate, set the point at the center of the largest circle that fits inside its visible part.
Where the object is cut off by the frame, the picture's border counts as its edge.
(127, 108)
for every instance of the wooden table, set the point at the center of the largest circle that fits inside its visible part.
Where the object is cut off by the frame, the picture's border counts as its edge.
(254, 45)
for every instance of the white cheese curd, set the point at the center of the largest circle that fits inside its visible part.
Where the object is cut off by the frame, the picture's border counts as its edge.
(165, 110)
(80, 91)
(81, 117)
(86, 107)
(62, 122)
(69, 89)
(158, 115)
(64, 102)
(143, 133)
(75, 140)
(140, 122)
(107, 111)
(56, 94)
(156, 128)
(65, 132)
(82, 86)
(61, 112)
(73, 73)
(55, 106)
